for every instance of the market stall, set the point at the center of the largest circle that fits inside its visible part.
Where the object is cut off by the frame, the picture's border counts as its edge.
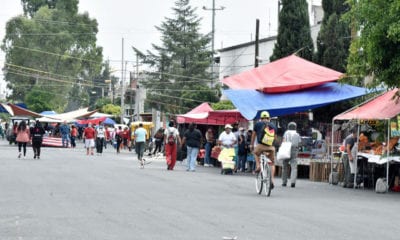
(384, 108)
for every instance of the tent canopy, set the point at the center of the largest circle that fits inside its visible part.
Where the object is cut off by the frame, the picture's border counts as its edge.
(287, 74)
(251, 102)
(204, 114)
(96, 121)
(381, 107)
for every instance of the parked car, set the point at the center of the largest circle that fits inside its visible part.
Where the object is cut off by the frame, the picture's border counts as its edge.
(13, 124)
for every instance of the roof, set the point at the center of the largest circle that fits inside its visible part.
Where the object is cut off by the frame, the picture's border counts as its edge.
(251, 102)
(380, 107)
(287, 74)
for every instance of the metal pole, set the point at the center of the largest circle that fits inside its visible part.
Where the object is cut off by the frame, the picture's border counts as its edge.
(122, 84)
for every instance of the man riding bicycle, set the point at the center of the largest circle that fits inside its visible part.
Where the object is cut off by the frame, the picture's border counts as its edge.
(265, 131)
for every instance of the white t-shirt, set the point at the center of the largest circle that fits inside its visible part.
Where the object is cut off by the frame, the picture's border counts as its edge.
(227, 140)
(172, 130)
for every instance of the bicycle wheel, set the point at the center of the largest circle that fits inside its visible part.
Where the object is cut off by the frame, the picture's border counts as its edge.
(259, 182)
(267, 180)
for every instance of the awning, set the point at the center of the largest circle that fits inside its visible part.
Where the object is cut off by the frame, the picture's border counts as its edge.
(287, 74)
(381, 107)
(251, 102)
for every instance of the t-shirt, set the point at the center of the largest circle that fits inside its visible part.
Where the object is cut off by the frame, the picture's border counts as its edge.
(64, 130)
(259, 129)
(349, 140)
(100, 132)
(171, 130)
(193, 138)
(140, 134)
(293, 137)
(227, 139)
(89, 133)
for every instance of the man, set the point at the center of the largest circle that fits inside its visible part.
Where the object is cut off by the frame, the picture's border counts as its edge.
(293, 137)
(192, 138)
(65, 133)
(140, 140)
(89, 135)
(100, 139)
(348, 159)
(37, 133)
(171, 141)
(265, 132)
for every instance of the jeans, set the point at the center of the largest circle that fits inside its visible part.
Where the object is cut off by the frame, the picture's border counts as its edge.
(65, 140)
(207, 157)
(139, 148)
(192, 153)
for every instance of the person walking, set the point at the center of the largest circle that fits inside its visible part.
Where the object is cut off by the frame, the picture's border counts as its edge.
(171, 141)
(192, 139)
(293, 137)
(89, 135)
(158, 138)
(37, 133)
(118, 133)
(140, 140)
(100, 136)
(210, 138)
(242, 150)
(74, 135)
(23, 137)
(65, 133)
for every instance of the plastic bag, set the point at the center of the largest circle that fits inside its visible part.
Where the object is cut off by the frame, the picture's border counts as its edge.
(284, 151)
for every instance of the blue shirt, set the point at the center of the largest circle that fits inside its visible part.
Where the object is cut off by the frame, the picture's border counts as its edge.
(140, 134)
(259, 129)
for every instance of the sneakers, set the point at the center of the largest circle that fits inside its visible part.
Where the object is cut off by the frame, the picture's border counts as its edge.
(283, 184)
(293, 185)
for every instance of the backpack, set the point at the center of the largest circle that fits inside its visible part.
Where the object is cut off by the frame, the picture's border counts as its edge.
(268, 135)
(171, 137)
(118, 137)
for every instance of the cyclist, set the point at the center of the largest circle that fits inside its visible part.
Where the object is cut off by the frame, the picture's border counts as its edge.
(265, 131)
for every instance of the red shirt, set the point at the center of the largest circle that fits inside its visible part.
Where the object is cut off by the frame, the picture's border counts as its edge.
(89, 133)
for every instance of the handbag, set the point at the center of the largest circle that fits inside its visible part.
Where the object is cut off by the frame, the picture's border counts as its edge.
(284, 151)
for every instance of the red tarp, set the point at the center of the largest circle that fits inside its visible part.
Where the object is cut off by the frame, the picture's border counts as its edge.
(95, 121)
(381, 107)
(204, 114)
(284, 75)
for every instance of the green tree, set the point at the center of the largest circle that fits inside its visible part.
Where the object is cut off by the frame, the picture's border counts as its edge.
(294, 34)
(223, 105)
(375, 51)
(181, 78)
(51, 47)
(111, 109)
(38, 100)
(333, 40)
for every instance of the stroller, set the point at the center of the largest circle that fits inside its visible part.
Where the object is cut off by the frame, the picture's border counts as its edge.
(226, 158)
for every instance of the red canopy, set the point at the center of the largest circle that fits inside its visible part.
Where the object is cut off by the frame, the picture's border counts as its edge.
(381, 107)
(284, 75)
(204, 114)
(96, 121)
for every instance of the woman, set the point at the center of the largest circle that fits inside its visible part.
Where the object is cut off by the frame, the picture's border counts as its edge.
(74, 134)
(192, 139)
(159, 136)
(37, 133)
(208, 146)
(23, 136)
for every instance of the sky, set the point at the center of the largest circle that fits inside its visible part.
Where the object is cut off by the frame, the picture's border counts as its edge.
(135, 21)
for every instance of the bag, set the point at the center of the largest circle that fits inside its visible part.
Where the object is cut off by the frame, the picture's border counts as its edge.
(268, 136)
(381, 185)
(118, 137)
(284, 151)
(171, 138)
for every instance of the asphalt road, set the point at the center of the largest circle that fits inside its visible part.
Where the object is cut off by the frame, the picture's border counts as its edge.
(68, 195)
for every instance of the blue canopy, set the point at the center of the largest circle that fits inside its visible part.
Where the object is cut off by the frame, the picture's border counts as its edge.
(251, 102)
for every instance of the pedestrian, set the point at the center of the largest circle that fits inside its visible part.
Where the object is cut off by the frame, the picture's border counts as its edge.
(192, 139)
(171, 141)
(107, 136)
(65, 133)
(242, 150)
(100, 136)
(158, 139)
(118, 138)
(265, 132)
(37, 133)
(23, 137)
(210, 139)
(140, 140)
(348, 159)
(74, 135)
(89, 135)
(293, 137)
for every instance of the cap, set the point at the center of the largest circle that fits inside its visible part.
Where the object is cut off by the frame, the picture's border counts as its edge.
(292, 126)
(264, 114)
(228, 126)
(241, 129)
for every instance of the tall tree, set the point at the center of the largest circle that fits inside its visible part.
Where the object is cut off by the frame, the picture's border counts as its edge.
(333, 40)
(53, 48)
(294, 34)
(181, 79)
(375, 49)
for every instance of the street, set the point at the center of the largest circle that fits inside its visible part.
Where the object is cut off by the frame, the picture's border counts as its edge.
(68, 195)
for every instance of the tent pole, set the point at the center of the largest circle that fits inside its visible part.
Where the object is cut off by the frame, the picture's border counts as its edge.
(356, 162)
(387, 156)
(331, 153)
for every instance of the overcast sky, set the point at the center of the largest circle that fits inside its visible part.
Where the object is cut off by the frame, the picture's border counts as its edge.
(135, 21)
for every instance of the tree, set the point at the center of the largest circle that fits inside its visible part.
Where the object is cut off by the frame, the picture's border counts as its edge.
(38, 100)
(294, 34)
(375, 51)
(180, 78)
(54, 48)
(333, 40)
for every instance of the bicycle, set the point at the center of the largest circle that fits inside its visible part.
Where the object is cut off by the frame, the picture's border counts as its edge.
(264, 176)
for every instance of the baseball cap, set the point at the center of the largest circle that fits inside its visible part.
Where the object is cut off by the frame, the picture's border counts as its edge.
(264, 114)
(241, 129)
(228, 126)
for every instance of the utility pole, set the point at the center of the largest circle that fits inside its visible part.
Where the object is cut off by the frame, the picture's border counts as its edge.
(139, 54)
(256, 43)
(122, 84)
(213, 9)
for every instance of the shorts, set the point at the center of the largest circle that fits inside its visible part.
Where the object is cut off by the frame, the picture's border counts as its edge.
(89, 143)
(264, 148)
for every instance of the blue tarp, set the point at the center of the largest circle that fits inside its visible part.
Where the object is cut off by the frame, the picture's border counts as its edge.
(46, 113)
(251, 102)
(3, 110)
